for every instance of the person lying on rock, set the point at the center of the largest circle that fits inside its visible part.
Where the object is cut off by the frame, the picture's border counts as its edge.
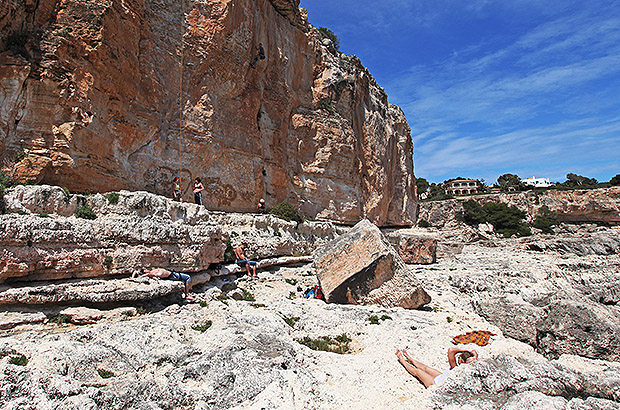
(161, 273)
(429, 376)
(242, 261)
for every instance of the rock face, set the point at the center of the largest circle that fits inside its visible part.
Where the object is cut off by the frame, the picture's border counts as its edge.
(47, 242)
(600, 206)
(99, 96)
(360, 267)
(414, 249)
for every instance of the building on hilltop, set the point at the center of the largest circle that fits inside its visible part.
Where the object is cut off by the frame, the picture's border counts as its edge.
(537, 182)
(463, 187)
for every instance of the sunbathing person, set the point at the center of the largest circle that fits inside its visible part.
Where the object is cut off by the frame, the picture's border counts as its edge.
(429, 376)
(161, 273)
(242, 261)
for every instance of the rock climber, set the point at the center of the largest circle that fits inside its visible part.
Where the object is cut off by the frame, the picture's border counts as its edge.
(161, 273)
(242, 261)
(259, 56)
(429, 376)
(198, 188)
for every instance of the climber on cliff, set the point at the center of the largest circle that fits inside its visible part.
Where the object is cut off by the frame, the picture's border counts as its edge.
(242, 261)
(161, 273)
(260, 56)
(429, 376)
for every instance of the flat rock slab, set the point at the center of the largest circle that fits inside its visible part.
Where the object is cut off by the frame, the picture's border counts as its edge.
(82, 315)
(361, 267)
(9, 320)
(90, 291)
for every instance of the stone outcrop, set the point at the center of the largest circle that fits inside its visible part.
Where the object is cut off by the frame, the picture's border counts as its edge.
(100, 96)
(414, 249)
(504, 382)
(361, 267)
(601, 206)
(42, 240)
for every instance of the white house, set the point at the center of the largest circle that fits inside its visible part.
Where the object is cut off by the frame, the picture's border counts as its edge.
(537, 182)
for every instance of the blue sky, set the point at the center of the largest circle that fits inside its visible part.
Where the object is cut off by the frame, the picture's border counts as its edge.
(530, 87)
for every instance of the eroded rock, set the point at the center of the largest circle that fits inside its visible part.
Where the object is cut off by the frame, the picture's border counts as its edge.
(361, 267)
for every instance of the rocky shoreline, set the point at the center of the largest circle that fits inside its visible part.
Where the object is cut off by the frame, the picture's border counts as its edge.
(551, 300)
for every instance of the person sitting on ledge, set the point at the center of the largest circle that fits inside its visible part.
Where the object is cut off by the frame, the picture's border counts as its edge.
(161, 273)
(429, 376)
(242, 261)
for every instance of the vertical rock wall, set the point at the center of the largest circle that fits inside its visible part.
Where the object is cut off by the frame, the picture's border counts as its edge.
(103, 95)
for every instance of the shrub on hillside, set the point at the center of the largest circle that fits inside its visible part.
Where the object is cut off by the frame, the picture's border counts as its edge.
(506, 220)
(545, 220)
(473, 214)
(327, 33)
(285, 211)
(86, 212)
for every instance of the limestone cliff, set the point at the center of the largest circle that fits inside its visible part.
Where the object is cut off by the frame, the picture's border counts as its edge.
(103, 95)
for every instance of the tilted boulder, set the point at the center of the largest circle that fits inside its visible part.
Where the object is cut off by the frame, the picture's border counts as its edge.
(361, 267)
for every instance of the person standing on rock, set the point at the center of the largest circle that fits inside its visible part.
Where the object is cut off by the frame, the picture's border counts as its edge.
(242, 261)
(429, 376)
(259, 56)
(161, 273)
(176, 189)
(198, 188)
(260, 208)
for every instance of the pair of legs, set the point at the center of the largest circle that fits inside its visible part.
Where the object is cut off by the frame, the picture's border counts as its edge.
(247, 265)
(423, 372)
(166, 274)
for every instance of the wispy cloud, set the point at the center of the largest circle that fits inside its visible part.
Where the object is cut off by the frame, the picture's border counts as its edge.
(513, 108)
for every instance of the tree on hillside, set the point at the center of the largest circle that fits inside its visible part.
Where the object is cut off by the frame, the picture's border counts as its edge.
(327, 33)
(422, 185)
(508, 181)
(574, 180)
(615, 180)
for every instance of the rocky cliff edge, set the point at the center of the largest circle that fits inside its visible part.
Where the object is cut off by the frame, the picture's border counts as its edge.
(100, 96)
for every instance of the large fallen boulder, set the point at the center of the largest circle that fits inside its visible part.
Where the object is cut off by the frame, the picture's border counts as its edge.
(361, 267)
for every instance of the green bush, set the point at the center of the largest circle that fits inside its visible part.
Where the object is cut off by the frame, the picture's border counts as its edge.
(248, 296)
(285, 211)
(229, 253)
(338, 344)
(107, 262)
(291, 282)
(327, 33)
(291, 321)
(85, 212)
(60, 319)
(202, 327)
(473, 214)
(506, 220)
(18, 360)
(105, 374)
(113, 197)
(325, 104)
(545, 220)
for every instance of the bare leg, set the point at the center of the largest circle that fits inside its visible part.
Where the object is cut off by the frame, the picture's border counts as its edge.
(424, 377)
(421, 366)
(254, 270)
(187, 295)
